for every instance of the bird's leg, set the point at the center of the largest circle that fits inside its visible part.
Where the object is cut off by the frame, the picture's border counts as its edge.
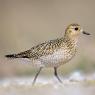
(35, 78)
(56, 74)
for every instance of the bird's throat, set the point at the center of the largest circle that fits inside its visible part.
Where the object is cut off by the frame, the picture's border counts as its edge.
(71, 42)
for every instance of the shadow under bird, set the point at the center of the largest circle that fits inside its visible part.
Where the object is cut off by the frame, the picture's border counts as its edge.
(53, 53)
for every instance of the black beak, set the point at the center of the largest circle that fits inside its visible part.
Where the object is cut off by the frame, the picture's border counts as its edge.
(85, 33)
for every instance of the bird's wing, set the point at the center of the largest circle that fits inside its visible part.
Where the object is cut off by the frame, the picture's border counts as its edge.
(43, 49)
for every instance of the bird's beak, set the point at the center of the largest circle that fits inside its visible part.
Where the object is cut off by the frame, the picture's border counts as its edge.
(85, 33)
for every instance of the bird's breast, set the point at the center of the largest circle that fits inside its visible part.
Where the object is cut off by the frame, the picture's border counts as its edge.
(57, 58)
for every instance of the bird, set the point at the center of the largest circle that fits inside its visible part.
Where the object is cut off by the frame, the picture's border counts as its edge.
(53, 53)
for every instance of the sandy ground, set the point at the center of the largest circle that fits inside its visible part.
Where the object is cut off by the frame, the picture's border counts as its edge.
(74, 85)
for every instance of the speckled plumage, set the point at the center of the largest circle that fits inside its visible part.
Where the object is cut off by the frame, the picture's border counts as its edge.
(47, 51)
(53, 53)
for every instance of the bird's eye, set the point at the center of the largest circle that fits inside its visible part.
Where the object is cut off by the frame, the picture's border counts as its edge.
(76, 28)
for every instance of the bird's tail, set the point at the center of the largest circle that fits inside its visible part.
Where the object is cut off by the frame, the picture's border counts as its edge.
(12, 56)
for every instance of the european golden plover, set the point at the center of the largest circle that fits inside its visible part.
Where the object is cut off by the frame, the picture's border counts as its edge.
(55, 52)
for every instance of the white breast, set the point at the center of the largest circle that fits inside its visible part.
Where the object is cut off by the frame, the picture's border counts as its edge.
(57, 58)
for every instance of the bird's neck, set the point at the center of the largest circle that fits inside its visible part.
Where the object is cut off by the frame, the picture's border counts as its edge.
(71, 42)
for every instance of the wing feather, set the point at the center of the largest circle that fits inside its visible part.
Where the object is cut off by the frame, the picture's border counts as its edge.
(43, 49)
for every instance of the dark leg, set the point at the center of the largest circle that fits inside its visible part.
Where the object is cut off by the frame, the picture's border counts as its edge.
(56, 75)
(37, 75)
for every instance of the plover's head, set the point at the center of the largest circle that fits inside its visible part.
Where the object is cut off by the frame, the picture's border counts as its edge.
(74, 30)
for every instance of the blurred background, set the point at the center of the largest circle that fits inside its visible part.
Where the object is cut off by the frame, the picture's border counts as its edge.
(25, 23)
